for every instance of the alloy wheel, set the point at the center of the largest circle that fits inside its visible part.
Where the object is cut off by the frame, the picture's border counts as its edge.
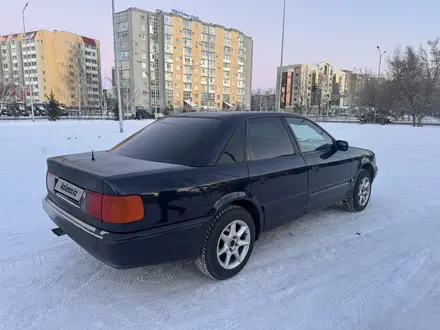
(364, 191)
(233, 244)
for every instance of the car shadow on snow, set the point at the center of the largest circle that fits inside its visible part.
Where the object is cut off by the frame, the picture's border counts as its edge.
(173, 276)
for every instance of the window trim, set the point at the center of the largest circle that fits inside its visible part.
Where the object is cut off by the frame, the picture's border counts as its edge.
(296, 151)
(194, 153)
(239, 126)
(296, 139)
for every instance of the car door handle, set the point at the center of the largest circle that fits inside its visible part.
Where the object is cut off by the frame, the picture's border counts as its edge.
(263, 179)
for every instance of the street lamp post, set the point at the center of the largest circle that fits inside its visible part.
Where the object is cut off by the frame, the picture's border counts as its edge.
(281, 62)
(118, 83)
(28, 66)
(378, 78)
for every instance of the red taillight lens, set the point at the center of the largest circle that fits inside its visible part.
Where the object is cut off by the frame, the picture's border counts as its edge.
(114, 209)
(122, 209)
(94, 205)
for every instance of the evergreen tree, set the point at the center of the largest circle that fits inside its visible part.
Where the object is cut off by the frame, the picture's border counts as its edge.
(53, 108)
(14, 109)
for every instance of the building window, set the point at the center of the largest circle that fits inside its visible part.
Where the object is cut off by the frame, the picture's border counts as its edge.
(187, 24)
(168, 20)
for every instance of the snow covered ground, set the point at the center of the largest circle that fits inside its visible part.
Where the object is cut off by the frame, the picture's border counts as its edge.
(379, 269)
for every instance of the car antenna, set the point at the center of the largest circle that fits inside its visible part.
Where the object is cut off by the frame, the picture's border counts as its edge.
(93, 156)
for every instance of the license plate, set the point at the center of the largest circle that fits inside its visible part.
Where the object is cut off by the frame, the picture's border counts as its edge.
(69, 190)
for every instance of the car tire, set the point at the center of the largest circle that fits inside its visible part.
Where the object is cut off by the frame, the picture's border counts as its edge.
(223, 242)
(360, 197)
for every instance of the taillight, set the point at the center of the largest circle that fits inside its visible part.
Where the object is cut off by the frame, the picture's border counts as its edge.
(94, 205)
(50, 181)
(114, 209)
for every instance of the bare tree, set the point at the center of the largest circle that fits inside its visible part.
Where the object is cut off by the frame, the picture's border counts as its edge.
(382, 95)
(417, 75)
(73, 77)
(7, 90)
(128, 97)
(303, 101)
(299, 106)
(269, 91)
(108, 83)
(321, 93)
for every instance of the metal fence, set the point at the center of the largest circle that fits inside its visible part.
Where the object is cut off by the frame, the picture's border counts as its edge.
(403, 120)
(99, 115)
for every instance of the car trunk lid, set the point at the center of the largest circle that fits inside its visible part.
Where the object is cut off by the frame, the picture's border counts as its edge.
(70, 177)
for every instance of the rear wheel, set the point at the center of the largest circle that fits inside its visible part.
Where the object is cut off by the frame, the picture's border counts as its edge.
(360, 197)
(228, 244)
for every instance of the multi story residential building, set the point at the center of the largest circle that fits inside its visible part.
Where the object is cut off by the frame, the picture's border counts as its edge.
(349, 84)
(305, 86)
(263, 102)
(175, 59)
(58, 61)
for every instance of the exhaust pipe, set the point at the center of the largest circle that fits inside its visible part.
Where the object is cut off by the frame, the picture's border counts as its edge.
(58, 232)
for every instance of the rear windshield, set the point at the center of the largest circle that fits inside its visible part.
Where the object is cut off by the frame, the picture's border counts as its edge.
(171, 140)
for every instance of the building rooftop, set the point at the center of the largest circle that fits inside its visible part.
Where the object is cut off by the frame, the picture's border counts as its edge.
(183, 15)
(236, 115)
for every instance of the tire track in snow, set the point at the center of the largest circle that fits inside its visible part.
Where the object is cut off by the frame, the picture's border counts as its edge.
(40, 259)
(306, 223)
(318, 278)
(414, 280)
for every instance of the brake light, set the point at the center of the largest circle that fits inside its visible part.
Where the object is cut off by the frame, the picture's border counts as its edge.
(94, 205)
(114, 209)
(50, 181)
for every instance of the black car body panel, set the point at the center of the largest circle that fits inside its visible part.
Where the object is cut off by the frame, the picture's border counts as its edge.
(128, 250)
(181, 199)
(280, 185)
(329, 177)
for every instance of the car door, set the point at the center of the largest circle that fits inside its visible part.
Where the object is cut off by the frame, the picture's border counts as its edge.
(328, 168)
(277, 172)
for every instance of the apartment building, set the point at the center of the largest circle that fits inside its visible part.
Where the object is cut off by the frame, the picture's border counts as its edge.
(173, 59)
(305, 86)
(65, 63)
(348, 84)
(264, 102)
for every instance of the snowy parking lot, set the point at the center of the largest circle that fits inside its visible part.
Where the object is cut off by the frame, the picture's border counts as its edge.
(378, 269)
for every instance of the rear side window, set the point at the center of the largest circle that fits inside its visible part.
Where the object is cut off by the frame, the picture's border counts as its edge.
(268, 138)
(171, 140)
(235, 151)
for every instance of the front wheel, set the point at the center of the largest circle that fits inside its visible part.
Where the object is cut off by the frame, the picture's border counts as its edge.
(360, 197)
(228, 244)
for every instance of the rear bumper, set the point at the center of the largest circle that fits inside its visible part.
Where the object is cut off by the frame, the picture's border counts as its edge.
(129, 250)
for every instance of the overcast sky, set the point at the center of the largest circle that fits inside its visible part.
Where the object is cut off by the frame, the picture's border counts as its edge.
(344, 32)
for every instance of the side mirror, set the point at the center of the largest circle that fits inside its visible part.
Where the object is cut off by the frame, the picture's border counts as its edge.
(342, 145)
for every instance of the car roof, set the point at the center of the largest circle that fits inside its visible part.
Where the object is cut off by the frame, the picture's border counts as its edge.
(235, 115)
(230, 121)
